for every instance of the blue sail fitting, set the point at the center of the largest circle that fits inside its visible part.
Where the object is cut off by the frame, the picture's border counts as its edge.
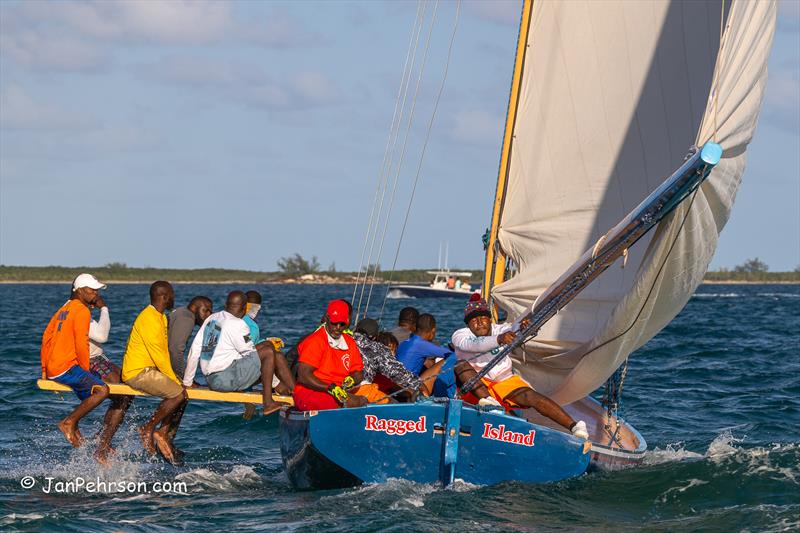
(711, 153)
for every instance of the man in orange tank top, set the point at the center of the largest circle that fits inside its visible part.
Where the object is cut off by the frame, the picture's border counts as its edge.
(329, 364)
(65, 355)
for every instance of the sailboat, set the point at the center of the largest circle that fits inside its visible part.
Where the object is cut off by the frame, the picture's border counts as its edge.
(608, 98)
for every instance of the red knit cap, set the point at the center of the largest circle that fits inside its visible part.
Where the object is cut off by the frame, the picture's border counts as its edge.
(476, 306)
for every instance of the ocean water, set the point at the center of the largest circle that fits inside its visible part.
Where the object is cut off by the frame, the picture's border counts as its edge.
(716, 395)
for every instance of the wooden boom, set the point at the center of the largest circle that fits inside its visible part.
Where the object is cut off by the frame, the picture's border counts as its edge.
(194, 394)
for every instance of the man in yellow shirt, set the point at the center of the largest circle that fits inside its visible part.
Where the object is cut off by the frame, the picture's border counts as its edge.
(146, 367)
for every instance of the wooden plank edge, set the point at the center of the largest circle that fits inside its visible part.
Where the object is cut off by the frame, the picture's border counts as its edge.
(194, 394)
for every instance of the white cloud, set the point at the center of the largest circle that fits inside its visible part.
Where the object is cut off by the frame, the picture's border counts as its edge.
(245, 83)
(74, 36)
(173, 21)
(195, 71)
(299, 91)
(477, 127)
(34, 50)
(19, 111)
(314, 88)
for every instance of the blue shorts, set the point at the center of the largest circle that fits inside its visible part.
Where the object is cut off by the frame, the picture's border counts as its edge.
(80, 380)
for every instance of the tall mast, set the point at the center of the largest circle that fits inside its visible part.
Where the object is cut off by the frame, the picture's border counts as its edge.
(494, 269)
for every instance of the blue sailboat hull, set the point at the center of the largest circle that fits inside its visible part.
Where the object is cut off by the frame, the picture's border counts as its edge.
(426, 442)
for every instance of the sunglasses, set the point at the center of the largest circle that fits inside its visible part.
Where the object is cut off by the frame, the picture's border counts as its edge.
(338, 324)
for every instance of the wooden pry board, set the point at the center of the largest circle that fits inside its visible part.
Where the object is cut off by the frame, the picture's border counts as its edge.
(194, 394)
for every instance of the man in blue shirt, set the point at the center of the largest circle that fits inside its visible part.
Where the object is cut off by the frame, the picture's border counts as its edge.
(420, 347)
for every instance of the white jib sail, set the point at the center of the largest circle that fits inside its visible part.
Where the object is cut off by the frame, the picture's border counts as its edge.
(613, 94)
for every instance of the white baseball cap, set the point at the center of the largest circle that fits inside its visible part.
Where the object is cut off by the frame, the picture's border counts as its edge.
(87, 280)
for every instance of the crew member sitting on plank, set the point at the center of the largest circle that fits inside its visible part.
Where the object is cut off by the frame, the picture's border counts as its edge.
(477, 344)
(181, 323)
(228, 358)
(329, 364)
(419, 352)
(101, 366)
(146, 367)
(65, 357)
(283, 380)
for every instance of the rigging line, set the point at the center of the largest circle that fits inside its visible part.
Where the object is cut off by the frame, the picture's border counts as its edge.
(422, 153)
(393, 135)
(381, 174)
(403, 150)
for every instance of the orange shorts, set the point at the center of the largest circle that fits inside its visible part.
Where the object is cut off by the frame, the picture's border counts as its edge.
(500, 389)
(371, 392)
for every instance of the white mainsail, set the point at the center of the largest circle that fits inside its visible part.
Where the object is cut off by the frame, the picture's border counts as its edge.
(612, 95)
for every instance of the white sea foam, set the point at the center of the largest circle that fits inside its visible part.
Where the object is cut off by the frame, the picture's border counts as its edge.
(675, 491)
(740, 295)
(758, 461)
(724, 450)
(19, 517)
(395, 494)
(672, 452)
(239, 477)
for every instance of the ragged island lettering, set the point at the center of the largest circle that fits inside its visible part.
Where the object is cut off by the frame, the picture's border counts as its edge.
(391, 426)
(500, 433)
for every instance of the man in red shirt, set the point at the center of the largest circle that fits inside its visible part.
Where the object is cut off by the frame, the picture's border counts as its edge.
(329, 364)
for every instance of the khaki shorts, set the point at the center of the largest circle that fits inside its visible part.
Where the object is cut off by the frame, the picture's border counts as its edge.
(155, 383)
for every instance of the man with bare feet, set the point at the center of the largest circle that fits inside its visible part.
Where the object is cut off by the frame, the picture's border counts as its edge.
(477, 344)
(146, 367)
(181, 323)
(65, 354)
(227, 356)
(101, 366)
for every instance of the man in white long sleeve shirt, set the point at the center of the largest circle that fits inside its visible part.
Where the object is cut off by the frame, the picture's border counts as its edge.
(99, 329)
(227, 356)
(100, 365)
(477, 344)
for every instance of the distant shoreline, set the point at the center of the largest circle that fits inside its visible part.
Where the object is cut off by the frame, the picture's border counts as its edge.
(123, 274)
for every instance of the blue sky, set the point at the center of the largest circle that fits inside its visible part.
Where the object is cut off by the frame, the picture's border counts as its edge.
(230, 134)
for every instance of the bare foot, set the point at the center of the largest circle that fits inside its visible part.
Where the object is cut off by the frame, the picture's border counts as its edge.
(71, 432)
(271, 407)
(147, 441)
(165, 448)
(103, 455)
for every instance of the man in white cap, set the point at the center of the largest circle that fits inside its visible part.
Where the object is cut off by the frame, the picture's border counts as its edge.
(65, 359)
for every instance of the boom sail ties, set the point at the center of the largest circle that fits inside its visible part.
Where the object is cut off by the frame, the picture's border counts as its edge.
(595, 261)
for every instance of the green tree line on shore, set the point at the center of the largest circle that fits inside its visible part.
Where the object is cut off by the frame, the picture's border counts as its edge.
(296, 266)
